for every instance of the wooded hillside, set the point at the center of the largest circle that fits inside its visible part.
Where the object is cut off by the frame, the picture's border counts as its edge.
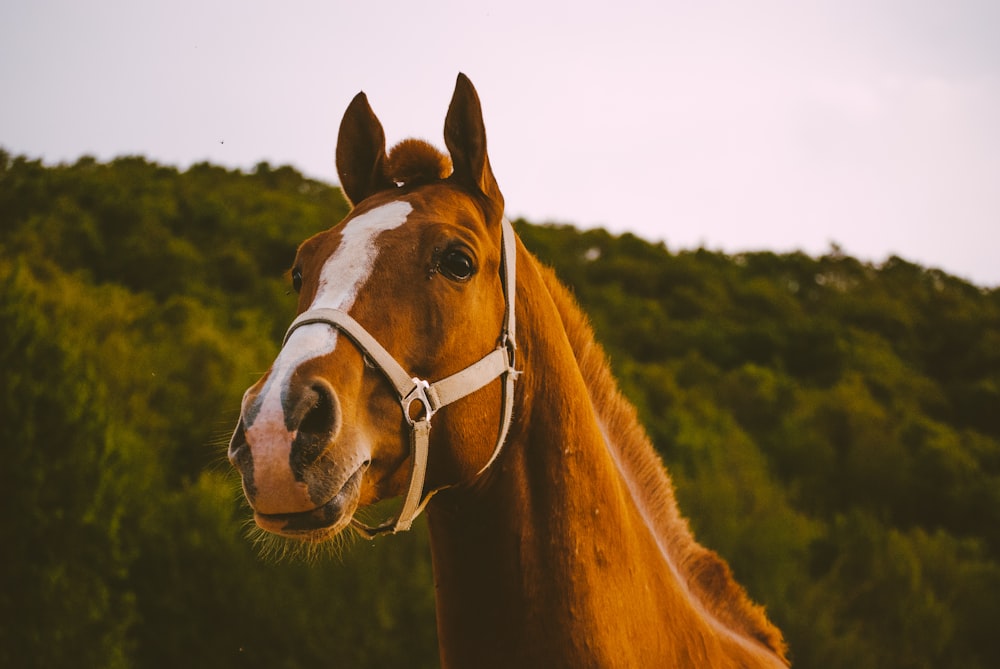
(832, 427)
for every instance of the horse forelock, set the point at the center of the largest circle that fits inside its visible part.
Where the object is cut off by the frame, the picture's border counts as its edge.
(413, 162)
(706, 575)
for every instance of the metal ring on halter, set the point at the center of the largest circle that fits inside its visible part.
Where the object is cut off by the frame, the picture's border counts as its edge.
(418, 394)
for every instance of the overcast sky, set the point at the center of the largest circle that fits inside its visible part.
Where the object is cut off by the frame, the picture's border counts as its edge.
(776, 125)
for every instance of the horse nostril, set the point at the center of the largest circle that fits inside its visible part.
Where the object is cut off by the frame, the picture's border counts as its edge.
(318, 421)
(319, 417)
(238, 444)
(242, 460)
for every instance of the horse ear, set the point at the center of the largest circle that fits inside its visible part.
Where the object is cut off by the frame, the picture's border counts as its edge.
(361, 159)
(465, 137)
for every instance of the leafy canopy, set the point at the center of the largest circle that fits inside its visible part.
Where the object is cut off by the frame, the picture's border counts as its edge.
(832, 427)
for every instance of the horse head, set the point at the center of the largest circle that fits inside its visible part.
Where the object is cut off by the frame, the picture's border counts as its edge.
(403, 308)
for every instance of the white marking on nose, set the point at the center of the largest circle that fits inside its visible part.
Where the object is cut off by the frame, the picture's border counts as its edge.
(342, 276)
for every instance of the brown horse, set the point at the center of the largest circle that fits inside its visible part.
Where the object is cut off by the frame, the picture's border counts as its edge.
(555, 534)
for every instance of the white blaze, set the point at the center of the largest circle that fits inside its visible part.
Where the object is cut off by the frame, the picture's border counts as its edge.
(342, 276)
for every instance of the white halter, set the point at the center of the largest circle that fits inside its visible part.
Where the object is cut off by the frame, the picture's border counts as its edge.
(433, 396)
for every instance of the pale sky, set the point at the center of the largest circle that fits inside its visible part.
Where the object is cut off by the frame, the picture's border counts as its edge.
(775, 125)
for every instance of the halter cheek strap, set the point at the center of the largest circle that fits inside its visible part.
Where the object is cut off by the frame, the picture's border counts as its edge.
(432, 396)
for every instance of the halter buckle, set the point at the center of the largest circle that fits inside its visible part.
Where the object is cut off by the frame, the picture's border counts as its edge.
(418, 394)
(508, 343)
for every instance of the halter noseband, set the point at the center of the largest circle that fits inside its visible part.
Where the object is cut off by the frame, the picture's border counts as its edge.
(433, 396)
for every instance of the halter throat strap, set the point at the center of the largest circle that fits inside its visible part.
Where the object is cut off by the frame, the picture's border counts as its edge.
(431, 397)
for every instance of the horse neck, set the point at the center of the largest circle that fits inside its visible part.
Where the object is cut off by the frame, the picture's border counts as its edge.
(548, 559)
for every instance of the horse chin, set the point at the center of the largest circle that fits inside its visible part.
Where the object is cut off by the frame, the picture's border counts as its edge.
(322, 523)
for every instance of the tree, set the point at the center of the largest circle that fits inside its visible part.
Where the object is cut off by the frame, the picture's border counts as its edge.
(64, 559)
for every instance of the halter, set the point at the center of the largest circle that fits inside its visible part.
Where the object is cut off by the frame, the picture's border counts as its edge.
(432, 396)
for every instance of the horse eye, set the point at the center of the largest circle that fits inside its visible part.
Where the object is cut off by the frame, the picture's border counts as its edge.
(297, 279)
(457, 265)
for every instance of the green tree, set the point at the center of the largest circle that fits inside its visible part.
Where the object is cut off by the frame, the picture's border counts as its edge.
(61, 599)
(831, 427)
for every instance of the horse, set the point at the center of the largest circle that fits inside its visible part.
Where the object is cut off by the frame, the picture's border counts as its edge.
(556, 540)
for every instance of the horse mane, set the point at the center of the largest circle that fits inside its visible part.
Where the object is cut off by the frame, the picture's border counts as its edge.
(708, 576)
(413, 162)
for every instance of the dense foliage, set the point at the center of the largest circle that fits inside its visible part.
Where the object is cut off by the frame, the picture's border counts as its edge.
(833, 429)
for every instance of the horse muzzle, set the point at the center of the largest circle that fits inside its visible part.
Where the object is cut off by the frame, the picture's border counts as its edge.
(285, 455)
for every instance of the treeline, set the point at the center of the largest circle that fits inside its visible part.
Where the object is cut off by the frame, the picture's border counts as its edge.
(833, 429)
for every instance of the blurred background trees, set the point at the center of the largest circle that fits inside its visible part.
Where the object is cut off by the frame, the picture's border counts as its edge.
(832, 427)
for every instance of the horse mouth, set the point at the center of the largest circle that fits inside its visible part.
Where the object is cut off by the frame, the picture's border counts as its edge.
(321, 523)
